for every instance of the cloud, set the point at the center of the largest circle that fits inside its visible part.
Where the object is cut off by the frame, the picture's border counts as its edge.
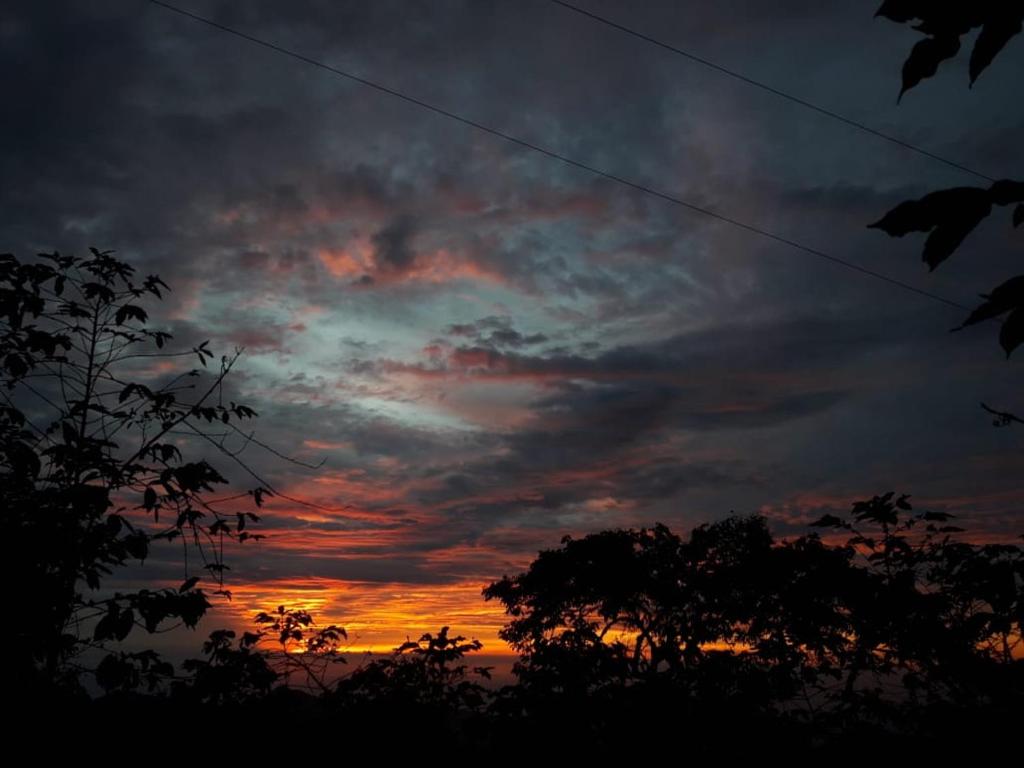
(493, 331)
(392, 245)
(491, 348)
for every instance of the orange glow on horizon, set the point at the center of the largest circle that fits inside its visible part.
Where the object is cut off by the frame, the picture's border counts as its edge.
(378, 616)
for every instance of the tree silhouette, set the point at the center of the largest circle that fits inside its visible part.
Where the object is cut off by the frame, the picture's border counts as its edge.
(875, 630)
(92, 468)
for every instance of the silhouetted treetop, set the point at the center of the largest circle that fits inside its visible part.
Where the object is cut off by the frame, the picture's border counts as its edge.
(807, 625)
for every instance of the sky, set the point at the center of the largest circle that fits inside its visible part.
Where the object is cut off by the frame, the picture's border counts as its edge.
(490, 349)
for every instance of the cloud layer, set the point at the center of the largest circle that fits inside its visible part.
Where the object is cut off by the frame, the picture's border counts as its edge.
(492, 349)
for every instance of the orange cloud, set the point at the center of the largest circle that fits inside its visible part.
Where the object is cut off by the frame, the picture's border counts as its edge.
(326, 445)
(358, 260)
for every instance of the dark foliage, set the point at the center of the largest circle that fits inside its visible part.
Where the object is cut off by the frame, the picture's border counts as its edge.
(950, 215)
(884, 631)
(426, 686)
(878, 631)
(944, 24)
(91, 472)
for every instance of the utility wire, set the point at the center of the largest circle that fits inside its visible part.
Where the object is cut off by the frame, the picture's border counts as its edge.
(565, 159)
(765, 87)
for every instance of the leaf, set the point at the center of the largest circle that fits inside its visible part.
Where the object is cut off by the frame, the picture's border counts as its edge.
(946, 238)
(130, 311)
(908, 216)
(932, 210)
(137, 545)
(15, 365)
(132, 388)
(105, 627)
(98, 290)
(1005, 297)
(1006, 191)
(203, 353)
(112, 672)
(1000, 27)
(125, 623)
(900, 10)
(250, 639)
(1011, 335)
(152, 283)
(149, 499)
(925, 58)
(24, 460)
(188, 584)
(828, 521)
(949, 214)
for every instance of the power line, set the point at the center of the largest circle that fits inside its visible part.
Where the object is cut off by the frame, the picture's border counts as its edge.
(563, 158)
(770, 89)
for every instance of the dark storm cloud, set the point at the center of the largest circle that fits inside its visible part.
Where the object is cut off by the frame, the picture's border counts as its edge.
(729, 351)
(615, 413)
(393, 244)
(172, 121)
(602, 428)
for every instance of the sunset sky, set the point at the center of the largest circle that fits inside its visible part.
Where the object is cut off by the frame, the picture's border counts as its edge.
(489, 348)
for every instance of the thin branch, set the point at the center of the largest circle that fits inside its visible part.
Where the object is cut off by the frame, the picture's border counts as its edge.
(1002, 418)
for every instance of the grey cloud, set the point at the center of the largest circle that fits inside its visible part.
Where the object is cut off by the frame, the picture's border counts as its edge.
(496, 332)
(232, 171)
(393, 244)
